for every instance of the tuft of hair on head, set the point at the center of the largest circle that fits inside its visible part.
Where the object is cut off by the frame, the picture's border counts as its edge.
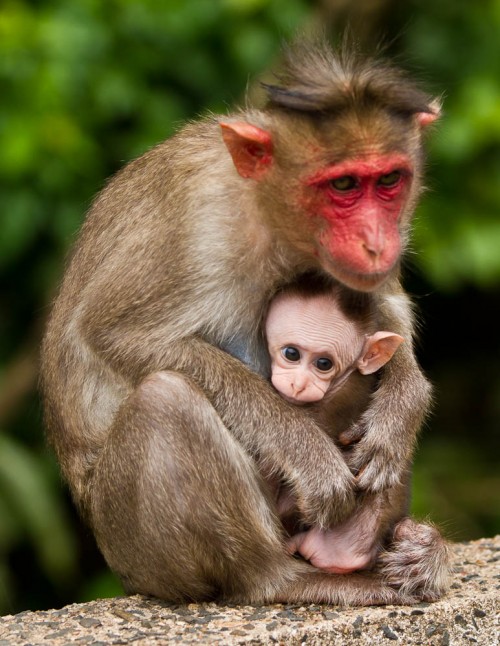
(357, 306)
(314, 78)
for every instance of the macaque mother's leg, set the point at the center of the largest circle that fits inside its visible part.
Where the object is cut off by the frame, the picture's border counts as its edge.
(176, 504)
(180, 512)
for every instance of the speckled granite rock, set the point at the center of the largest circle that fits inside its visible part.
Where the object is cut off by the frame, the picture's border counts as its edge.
(469, 614)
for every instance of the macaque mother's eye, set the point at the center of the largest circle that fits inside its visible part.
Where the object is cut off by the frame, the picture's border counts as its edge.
(390, 179)
(324, 364)
(290, 353)
(345, 183)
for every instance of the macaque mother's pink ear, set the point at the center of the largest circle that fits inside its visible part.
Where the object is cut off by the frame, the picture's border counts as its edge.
(377, 351)
(426, 118)
(250, 147)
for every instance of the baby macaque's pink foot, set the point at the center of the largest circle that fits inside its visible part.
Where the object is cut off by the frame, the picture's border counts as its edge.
(331, 550)
(417, 563)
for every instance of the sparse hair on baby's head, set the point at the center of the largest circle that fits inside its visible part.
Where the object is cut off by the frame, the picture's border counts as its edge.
(357, 306)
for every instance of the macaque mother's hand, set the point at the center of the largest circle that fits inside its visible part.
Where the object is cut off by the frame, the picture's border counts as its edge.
(376, 466)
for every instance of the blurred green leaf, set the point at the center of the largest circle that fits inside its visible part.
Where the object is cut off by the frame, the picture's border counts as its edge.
(464, 247)
(9, 528)
(20, 221)
(105, 584)
(6, 588)
(245, 6)
(28, 490)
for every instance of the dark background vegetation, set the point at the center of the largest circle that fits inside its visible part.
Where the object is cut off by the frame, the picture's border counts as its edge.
(87, 85)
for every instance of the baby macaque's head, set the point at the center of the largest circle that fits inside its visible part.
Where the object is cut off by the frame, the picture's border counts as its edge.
(314, 345)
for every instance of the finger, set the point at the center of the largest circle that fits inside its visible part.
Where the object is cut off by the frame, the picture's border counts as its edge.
(294, 542)
(350, 436)
(358, 478)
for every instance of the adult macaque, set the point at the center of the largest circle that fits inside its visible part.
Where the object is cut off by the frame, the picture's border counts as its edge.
(154, 366)
(321, 340)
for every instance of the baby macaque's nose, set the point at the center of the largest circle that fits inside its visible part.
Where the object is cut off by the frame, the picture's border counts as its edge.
(299, 383)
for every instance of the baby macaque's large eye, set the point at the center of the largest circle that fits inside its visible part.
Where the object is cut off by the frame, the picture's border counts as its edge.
(290, 353)
(324, 364)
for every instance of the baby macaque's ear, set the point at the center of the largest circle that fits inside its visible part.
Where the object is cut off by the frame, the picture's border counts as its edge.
(377, 351)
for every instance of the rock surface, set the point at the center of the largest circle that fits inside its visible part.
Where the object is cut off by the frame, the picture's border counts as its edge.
(469, 614)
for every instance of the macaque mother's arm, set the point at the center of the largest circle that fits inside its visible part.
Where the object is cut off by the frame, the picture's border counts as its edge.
(389, 427)
(266, 425)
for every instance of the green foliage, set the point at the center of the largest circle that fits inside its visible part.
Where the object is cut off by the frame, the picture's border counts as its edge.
(459, 233)
(88, 85)
(30, 505)
(452, 487)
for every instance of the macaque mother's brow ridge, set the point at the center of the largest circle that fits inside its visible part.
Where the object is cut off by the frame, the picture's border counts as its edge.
(367, 166)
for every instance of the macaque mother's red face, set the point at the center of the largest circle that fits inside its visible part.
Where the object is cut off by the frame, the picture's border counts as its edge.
(356, 207)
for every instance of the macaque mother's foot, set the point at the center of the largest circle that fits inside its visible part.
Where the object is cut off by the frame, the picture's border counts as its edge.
(417, 562)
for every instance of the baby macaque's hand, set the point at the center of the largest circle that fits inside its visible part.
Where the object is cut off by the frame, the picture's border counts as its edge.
(347, 441)
(351, 435)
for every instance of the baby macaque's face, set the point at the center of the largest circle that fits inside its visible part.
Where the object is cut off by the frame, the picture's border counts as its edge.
(311, 343)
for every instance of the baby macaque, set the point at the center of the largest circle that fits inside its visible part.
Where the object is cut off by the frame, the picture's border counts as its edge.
(318, 340)
(315, 347)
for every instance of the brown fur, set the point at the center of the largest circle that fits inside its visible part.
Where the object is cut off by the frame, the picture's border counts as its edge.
(156, 426)
(317, 80)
